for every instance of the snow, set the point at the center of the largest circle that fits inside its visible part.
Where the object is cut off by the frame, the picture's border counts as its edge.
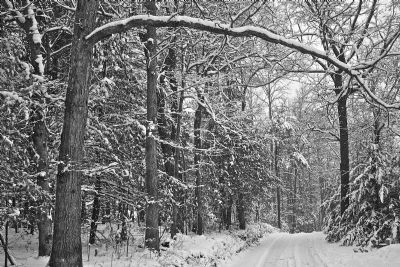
(39, 61)
(227, 248)
(26, 69)
(311, 249)
(217, 27)
(36, 37)
(11, 97)
(212, 249)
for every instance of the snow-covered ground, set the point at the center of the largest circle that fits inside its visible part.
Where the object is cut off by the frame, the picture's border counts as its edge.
(229, 249)
(212, 249)
(311, 249)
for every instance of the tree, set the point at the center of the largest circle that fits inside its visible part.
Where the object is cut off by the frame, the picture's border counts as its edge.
(67, 247)
(152, 234)
(28, 22)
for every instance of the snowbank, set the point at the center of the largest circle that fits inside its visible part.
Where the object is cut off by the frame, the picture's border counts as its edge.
(212, 249)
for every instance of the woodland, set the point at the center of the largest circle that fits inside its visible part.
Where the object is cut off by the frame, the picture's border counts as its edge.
(198, 116)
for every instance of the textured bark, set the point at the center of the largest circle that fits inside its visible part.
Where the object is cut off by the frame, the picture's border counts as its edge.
(152, 233)
(198, 145)
(344, 144)
(344, 155)
(67, 246)
(378, 126)
(39, 139)
(95, 212)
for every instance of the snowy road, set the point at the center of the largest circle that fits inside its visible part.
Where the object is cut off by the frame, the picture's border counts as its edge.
(311, 249)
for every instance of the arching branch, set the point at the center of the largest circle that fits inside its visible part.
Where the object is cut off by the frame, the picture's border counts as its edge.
(243, 31)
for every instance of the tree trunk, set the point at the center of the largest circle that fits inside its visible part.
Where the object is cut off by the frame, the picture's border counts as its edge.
(152, 233)
(179, 219)
(171, 155)
(293, 200)
(278, 188)
(344, 146)
(241, 211)
(67, 246)
(229, 212)
(39, 136)
(95, 212)
(198, 145)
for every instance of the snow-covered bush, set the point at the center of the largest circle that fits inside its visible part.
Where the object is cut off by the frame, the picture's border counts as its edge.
(374, 210)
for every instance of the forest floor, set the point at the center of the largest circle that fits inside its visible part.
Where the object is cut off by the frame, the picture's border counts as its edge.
(227, 248)
(311, 249)
(212, 249)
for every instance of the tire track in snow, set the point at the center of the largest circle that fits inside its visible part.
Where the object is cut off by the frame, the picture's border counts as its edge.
(308, 250)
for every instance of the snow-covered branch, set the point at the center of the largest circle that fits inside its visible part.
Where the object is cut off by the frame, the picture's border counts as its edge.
(217, 27)
(210, 26)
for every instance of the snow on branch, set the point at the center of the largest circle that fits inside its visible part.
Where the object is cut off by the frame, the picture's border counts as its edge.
(124, 25)
(217, 27)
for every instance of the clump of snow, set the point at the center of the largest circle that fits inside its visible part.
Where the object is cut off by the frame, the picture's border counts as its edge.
(39, 61)
(11, 97)
(26, 68)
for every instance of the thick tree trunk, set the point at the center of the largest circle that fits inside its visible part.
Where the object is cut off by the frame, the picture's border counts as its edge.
(198, 145)
(152, 239)
(95, 212)
(344, 152)
(67, 246)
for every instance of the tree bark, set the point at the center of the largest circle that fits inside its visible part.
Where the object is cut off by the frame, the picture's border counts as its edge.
(293, 199)
(67, 246)
(278, 188)
(171, 156)
(344, 155)
(39, 139)
(152, 233)
(229, 212)
(344, 144)
(95, 212)
(241, 211)
(198, 145)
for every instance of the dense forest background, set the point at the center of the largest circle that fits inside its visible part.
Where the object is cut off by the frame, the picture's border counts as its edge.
(199, 116)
